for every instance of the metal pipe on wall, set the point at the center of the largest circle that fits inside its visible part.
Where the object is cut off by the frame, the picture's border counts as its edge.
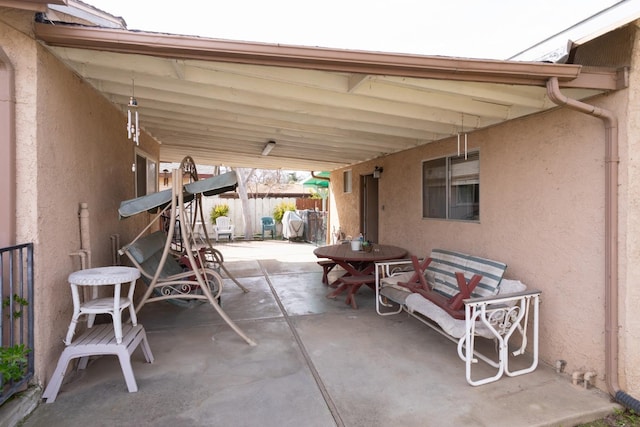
(115, 246)
(85, 238)
(611, 236)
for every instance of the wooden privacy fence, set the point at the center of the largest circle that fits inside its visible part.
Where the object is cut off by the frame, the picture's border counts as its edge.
(259, 207)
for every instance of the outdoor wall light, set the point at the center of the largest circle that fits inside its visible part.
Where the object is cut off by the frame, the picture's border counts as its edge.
(377, 171)
(268, 147)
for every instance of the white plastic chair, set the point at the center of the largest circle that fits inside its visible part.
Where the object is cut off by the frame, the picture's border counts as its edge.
(223, 227)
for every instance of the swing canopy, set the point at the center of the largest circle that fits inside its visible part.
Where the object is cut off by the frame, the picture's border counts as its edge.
(152, 202)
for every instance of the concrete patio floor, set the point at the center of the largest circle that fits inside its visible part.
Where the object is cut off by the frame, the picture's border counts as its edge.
(317, 363)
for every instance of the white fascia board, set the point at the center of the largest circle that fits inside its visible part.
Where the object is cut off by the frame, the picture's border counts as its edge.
(555, 48)
(89, 13)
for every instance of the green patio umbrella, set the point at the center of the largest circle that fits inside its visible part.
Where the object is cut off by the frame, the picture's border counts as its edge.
(317, 182)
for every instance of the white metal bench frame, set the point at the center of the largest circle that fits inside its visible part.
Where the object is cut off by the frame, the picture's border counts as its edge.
(494, 317)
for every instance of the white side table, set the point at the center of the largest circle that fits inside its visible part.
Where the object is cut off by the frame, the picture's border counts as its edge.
(103, 276)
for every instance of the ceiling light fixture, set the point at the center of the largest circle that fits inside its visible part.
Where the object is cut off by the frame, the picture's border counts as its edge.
(268, 147)
(133, 129)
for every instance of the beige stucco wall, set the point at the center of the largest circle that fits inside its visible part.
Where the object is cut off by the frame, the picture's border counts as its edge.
(542, 202)
(630, 234)
(71, 148)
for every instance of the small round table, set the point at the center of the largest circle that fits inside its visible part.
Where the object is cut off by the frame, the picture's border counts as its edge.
(103, 276)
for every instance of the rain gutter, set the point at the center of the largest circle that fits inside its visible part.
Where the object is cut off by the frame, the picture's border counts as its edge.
(35, 5)
(612, 161)
(325, 178)
(339, 60)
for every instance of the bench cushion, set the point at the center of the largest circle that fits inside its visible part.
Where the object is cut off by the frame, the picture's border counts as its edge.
(445, 264)
(147, 251)
(144, 248)
(394, 280)
(171, 266)
(395, 294)
(451, 326)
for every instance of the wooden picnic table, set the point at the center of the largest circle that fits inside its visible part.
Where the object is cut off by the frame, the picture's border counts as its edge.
(358, 266)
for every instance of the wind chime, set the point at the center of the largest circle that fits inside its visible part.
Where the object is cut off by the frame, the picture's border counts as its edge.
(462, 136)
(133, 128)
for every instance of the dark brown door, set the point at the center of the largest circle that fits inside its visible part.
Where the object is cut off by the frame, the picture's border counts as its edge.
(369, 217)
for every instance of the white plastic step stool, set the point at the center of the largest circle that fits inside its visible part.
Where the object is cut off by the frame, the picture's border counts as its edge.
(101, 340)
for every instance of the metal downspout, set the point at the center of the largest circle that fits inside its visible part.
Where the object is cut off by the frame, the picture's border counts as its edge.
(611, 236)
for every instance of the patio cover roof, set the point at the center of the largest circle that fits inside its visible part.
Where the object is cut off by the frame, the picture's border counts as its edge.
(221, 101)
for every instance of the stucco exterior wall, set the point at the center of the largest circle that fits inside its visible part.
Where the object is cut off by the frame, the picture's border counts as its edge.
(71, 147)
(83, 155)
(542, 202)
(630, 233)
(345, 215)
(21, 52)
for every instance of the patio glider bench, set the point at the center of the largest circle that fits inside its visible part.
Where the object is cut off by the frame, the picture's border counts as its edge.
(463, 297)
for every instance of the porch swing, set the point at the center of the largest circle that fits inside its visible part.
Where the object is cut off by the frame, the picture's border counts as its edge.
(171, 262)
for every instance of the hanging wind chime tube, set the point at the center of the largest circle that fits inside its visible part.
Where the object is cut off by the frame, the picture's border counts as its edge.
(133, 128)
(465, 144)
(465, 140)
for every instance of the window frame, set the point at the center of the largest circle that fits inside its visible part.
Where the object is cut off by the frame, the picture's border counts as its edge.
(449, 195)
(347, 181)
(150, 173)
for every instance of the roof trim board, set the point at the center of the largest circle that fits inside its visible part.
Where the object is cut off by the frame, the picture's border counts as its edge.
(189, 47)
(221, 100)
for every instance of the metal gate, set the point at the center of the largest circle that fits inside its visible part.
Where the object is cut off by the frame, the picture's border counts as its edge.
(16, 319)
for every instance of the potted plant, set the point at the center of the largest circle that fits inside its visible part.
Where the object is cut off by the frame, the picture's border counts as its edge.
(217, 211)
(13, 359)
(280, 209)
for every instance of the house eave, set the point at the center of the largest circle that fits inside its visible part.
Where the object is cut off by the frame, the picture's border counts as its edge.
(353, 61)
(35, 5)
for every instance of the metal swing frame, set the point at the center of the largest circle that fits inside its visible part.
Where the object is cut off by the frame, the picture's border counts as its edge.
(200, 277)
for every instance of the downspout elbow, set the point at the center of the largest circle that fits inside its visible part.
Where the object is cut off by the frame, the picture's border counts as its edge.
(558, 98)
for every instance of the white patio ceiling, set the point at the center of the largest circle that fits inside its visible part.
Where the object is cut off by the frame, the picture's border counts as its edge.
(222, 101)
